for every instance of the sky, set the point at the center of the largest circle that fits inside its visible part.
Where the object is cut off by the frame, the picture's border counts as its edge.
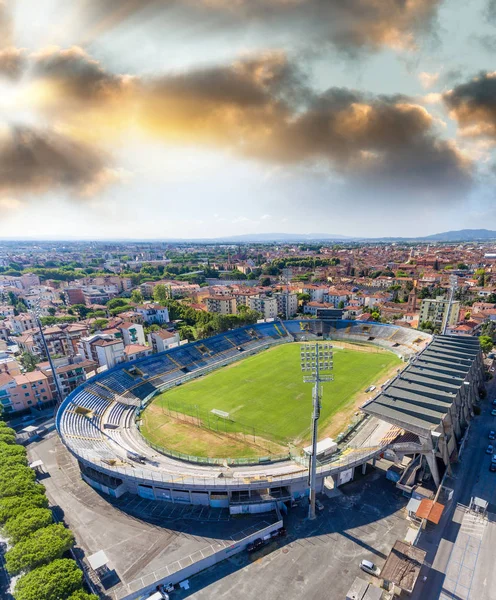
(207, 118)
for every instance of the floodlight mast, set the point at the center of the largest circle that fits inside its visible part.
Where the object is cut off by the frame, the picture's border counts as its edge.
(316, 360)
(36, 312)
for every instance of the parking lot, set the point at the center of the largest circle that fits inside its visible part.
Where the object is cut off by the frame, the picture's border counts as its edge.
(317, 559)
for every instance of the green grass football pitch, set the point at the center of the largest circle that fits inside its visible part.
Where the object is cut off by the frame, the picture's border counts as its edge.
(266, 391)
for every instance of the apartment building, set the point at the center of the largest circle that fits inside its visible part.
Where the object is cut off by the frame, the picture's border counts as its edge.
(222, 305)
(267, 306)
(132, 333)
(162, 340)
(74, 295)
(69, 374)
(335, 296)
(135, 351)
(153, 313)
(22, 323)
(287, 304)
(6, 310)
(20, 392)
(435, 311)
(103, 349)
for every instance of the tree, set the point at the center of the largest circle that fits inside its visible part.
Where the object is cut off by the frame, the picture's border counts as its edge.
(82, 595)
(55, 581)
(20, 485)
(81, 309)
(486, 343)
(29, 361)
(116, 302)
(51, 311)
(303, 297)
(341, 304)
(265, 281)
(160, 294)
(137, 297)
(12, 506)
(40, 548)
(26, 523)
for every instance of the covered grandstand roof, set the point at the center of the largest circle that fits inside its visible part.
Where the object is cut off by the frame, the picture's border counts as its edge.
(419, 398)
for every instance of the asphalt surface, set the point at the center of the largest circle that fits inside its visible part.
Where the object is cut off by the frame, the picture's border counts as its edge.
(461, 550)
(318, 559)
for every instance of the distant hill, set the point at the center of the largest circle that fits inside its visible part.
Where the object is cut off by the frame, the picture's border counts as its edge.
(283, 237)
(462, 235)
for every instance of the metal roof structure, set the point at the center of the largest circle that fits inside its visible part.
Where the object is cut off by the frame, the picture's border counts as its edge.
(418, 398)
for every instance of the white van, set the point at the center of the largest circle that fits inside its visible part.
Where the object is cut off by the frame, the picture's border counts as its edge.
(158, 596)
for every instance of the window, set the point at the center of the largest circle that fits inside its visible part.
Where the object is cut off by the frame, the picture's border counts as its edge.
(43, 390)
(45, 397)
(26, 394)
(24, 387)
(30, 402)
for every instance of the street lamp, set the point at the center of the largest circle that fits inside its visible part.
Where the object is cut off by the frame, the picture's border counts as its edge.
(36, 312)
(316, 364)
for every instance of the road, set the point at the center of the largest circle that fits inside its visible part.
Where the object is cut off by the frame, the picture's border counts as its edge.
(460, 550)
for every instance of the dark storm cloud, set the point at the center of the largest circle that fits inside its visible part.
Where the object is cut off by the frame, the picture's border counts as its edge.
(473, 105)
(33, 161)
(349, 25)
(12, 61)
(75, 73)
(262, 109)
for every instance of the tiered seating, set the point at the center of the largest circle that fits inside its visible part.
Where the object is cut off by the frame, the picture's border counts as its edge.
(119, 381)
(114, 417)
(99, 390)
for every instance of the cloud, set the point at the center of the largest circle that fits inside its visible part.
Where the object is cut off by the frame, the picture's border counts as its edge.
(428, 79)
(473, 105)
(261, 108)
(349, 25)
(35, 161)
(12, 61)
(74, 75)
(5, 26)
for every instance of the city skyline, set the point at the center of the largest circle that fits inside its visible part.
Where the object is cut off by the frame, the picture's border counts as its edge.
(206, 119)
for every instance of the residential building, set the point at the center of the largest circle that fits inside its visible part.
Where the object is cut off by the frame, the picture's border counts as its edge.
(135, 351)
(153, 313)
(22, 323)
(435, 310)
(6, 310)
(132, 333)
(265, 305)
(110, 352)
(74, 295)
(70, 375)
(222, 305)
(162, 340)
(287, 304)
(20, 392)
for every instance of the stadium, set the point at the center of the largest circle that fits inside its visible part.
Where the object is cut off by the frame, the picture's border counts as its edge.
(108, 424)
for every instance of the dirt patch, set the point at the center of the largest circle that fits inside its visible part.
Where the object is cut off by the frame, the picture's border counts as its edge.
(184, 435)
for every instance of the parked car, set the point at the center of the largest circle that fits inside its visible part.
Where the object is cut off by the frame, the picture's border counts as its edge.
(370, 568)
(492, 435)
(255, 545)
(489, 449)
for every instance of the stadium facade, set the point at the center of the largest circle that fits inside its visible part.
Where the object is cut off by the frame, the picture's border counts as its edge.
(432, 399)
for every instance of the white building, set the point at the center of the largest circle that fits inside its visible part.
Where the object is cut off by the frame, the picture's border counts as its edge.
(132, 333)
(153, 313)
(162, 340)
(434, 310)
(265, 305)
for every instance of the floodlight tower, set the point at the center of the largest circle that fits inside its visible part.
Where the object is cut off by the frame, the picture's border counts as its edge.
(287, 274)
(453, 287)
(316, 364)
(36, 312)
